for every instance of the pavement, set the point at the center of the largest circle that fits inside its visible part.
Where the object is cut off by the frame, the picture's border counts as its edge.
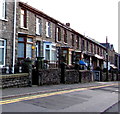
(22, 91)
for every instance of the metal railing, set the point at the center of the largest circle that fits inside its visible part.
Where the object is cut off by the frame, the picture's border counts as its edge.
(51, 64)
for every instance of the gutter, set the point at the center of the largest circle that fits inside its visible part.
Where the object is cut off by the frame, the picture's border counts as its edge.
(14, 37)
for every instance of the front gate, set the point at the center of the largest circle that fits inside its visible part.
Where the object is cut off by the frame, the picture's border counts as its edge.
(96, 75)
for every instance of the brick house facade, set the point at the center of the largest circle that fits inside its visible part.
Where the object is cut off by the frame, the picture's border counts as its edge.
(59, 35)
(39, 35)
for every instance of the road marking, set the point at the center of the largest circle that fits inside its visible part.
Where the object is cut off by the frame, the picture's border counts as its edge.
(50, 94)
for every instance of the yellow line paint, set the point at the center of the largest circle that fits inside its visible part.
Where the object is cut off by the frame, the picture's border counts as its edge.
(50, 94)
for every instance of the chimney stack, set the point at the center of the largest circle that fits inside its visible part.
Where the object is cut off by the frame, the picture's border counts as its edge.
(68, 24)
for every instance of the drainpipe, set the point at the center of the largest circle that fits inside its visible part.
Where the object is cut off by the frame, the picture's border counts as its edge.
(14, 37)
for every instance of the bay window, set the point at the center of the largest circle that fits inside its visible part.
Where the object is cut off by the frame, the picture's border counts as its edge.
(47, 54)
(21, 50)
(50, 52)
(25, 47)
(54, 56)
(29, 50)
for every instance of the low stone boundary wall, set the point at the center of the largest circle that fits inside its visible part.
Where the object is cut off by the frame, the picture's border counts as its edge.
(71, 76)
(11, 80)
(86, 76)
(111, 77)
(49, 76)
(118, 77)
(75, 76)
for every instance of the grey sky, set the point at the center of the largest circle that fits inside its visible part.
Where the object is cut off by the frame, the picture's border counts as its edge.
(94, 18)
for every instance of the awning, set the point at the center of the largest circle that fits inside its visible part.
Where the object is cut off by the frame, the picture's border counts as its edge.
(99, 57)
(113, 66)
(82, 62)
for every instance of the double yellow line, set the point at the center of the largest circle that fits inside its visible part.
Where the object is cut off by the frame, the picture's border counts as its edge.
(50, 94)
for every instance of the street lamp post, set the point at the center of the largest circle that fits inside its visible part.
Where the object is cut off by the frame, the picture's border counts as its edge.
(106, 59)
(106, 66)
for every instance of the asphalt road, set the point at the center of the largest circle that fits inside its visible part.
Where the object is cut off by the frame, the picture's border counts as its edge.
(99, 98)
(114, 108)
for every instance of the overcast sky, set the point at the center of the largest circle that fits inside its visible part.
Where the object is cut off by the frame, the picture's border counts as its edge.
(94, 18)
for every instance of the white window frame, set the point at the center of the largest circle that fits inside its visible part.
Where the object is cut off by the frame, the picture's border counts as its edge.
(23, 19)
(50, 49)
(22, 13)
(48, 29)
(45, 44)
(57, 34)
(53, 49)
(3, 47)
(2, 9)
(38, 26)
(29, 52)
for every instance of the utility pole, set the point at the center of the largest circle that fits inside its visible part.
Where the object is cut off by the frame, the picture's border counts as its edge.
(106, 58)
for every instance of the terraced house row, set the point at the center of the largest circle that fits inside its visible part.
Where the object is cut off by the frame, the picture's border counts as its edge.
(27, 32)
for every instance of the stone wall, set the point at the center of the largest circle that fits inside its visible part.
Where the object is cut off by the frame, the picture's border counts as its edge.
(111, 77)
(49, 76)
(75, 76)
(71, 76)
(86, 76)
(53, 76)
(12, 80)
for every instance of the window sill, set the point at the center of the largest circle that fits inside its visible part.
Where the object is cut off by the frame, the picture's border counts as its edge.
(48, 37)
(58, 41)
(38, 35)
(4, 19)
(24, 28)
(65, 43)
(1, 66)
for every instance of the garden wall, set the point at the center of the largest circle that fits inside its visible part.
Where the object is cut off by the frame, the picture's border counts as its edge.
(76, 76)
(12, 80)
(111, 76)
(49, 76)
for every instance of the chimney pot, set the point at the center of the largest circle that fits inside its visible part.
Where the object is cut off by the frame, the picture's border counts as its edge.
(68, 24)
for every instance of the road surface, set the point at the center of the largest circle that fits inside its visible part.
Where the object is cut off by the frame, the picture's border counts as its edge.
(98, 98)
